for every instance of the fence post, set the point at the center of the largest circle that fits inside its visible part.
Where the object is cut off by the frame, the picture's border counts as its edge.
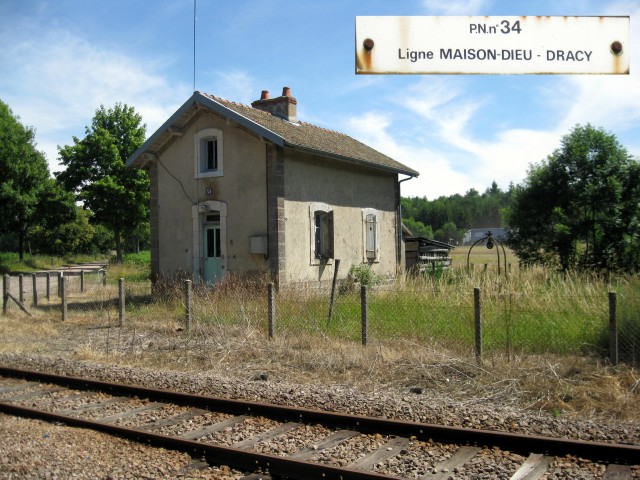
(21, 288)
(121, 302)
(364, 314)
(63, 294)
(613, 329)
(478, 324)
(271, 301)
(6, 286)
(187, 304)
(81, 281)
(48, 286)
(60, 280)
(334, 283)
(104, 277)
(34, 285)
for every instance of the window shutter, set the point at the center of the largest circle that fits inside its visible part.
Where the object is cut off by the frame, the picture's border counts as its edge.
(370, 226)
(317, 231)
(330, 252)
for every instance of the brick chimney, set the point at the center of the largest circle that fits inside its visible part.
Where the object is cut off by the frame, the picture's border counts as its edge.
(283, 106)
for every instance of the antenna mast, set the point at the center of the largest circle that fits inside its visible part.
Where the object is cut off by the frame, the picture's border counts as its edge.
(194, 45)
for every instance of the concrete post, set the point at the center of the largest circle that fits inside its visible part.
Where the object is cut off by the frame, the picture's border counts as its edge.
(478, 324)
(272, 308)
(21, 288)
(121, 302)
(6, 287)
(63, 294)
(613, 330)
(34, 286)
(364, 314)
(187, 305)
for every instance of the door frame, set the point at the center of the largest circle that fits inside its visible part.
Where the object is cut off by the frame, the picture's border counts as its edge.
(198, 215)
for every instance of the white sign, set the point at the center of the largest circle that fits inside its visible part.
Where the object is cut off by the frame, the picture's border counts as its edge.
(492, 45)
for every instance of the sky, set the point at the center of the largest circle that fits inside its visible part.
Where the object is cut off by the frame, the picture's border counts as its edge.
(61, 59)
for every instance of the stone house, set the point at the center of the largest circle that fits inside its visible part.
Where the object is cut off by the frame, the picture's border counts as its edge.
(239, 190)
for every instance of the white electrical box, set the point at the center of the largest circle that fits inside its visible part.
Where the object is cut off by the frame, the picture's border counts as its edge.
(258, 244)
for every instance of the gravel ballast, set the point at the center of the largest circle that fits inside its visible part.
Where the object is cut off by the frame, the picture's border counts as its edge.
(35, 449)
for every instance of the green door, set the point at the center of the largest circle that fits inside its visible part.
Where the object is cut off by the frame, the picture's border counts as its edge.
(212, 258)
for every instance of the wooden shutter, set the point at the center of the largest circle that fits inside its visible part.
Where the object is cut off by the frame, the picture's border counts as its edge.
(330, 252)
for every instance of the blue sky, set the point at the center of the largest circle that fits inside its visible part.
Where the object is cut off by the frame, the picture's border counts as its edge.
(61, 59)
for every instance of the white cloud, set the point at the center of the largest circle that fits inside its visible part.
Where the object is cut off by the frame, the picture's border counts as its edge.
(437, 175)
(67, 79)
(456, 7)
(610, 101)
(235, 85)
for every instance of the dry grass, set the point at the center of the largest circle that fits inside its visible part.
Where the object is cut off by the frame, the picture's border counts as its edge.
(228, 336)
(570, 386)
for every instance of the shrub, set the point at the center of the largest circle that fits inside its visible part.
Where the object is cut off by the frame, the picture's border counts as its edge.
(363, 274)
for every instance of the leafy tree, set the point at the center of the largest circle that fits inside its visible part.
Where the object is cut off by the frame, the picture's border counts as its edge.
(117, 196)
(417, 228)
(28, 196)
(449, 233)
(76, 236)
(581, 206)
(471, 210)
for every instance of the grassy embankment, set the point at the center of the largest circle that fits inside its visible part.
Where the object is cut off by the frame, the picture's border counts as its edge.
(537, 327)
(532, 311)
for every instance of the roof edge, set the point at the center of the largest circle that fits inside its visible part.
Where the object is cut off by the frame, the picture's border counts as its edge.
(412, 173)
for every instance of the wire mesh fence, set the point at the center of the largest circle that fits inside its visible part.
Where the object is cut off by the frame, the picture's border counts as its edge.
(495, 320)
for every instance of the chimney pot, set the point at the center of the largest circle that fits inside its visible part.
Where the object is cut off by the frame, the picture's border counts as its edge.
(283, 106)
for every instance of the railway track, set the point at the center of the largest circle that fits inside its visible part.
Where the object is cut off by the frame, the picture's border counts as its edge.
(273, 441)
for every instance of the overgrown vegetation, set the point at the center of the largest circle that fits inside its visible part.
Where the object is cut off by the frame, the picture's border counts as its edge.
(545, 334)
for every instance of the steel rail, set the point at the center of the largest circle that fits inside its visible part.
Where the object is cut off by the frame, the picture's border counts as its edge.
(216, 454)
(521, 443)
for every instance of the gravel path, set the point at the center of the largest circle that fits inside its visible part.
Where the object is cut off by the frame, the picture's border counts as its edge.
(33, 449)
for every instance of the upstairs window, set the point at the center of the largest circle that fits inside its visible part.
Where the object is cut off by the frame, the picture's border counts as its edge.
(209, 153)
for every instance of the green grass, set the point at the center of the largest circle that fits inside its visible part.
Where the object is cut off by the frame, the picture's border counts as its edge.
(10, 262)
(533, 311)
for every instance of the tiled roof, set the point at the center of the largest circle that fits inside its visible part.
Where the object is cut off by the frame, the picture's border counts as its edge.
(314, 138)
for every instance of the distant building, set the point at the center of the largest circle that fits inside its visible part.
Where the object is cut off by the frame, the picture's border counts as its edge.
(471, 236)
(425, 254)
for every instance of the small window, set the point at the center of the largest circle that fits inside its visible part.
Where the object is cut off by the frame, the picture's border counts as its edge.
(370, 235)
(208, 153)
(321, 219)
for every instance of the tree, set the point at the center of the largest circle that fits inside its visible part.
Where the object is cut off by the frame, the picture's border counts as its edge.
(28, 196)
(117, 196)
(76, 236)
(579, 207)
(417, 228)
(449, 233)
(473, 210)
